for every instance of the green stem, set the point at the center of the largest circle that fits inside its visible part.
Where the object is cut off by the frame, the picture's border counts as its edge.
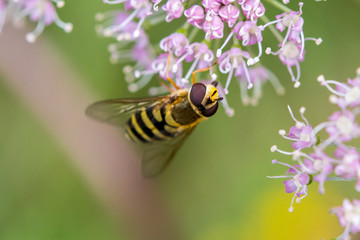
(193, 33)
(340, 179)
(236, 42)
(279, 5)
(184, 28)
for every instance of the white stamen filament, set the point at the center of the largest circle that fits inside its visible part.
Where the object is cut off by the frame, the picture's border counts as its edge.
(68, 27)
(138, 73)
(302, 111)
(302, 165)
(300, 7)
(175, 66)
(298, 200)
(268, 51)
(229, 79)
(298, 73)
(133, 87)
(286, 36)
(31, 37)
(243, 93)
(191, 69)
(260, 51)
(250, 85)
(59, 3)
(257, 91)
(136, 33)
(106, 15)
(292, 115)
(327, 142)
(317, 41)
(287, 153)
(228, 110)
(219, 51)
(289, 138)
(119, 57)
(291, 208)
(117, 45)
(256, 59)
(287, 165)
(269, 23)
(275, 82)
(155, 6)
(114, 1)
(156, 19)
(327, 83)
(113, 29)
(322, 126)
(348, 226)
(302, 43)
(289, 176)
(291, 73)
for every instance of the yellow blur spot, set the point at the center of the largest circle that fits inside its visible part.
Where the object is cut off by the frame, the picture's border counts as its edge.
(267, 218)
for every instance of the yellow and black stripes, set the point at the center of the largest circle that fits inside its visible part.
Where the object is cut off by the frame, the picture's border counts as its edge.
(151, 124)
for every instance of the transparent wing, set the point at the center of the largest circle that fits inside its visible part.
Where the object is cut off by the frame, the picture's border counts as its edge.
(118, 111)
(157, 156)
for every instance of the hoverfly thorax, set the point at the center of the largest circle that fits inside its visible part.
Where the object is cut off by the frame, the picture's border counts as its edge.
(204, 98)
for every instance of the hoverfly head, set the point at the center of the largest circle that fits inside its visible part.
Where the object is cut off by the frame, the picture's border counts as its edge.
(205, 98)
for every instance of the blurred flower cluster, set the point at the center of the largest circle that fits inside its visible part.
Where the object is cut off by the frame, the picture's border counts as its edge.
(324, 152)
(42, 12)
(228, 32)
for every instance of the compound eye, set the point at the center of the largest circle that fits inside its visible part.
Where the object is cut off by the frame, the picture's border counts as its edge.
(197, 94)
(211, 111)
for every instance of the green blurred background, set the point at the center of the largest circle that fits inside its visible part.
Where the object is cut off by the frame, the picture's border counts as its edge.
(216, 188)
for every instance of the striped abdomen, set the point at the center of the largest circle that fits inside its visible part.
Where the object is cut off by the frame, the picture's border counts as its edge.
(161, 122)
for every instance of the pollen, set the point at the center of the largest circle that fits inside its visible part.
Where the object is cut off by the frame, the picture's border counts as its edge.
(282, 132)
(353, 95)
(345, 125)
(273, 148)
(321, 78)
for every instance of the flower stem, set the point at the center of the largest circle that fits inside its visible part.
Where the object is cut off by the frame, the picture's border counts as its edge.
(193, 33)
(279, 5)
(340, 179)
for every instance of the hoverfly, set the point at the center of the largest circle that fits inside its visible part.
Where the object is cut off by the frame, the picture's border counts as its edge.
(160, 124)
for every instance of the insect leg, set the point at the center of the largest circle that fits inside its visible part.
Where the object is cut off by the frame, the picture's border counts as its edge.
(166, 86)
(167, 72)
(202, 70)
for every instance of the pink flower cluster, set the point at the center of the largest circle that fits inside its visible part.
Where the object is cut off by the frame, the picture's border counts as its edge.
(329, 158)
(349, 217)
(211, 15)
(181, 55)
(43, 12)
